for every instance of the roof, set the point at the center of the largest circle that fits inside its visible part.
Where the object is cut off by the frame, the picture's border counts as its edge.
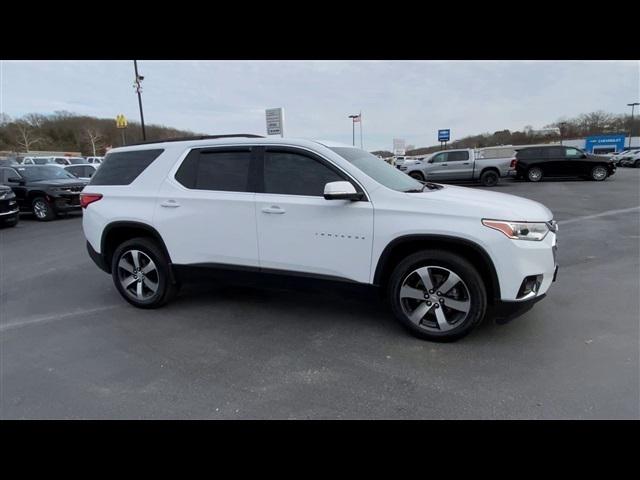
(197, 137)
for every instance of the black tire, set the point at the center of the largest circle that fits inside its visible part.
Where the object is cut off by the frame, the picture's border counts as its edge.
(636, 164)
(597, 174)
(490, 178)
(42, 209)
(166, 290)
(417, 175)
(535, 174)
(11, 222)
(475, 289)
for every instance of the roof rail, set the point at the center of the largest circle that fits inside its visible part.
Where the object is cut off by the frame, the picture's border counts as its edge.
(197, 137)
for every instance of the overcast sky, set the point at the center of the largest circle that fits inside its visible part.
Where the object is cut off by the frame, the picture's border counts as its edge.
(398, 99)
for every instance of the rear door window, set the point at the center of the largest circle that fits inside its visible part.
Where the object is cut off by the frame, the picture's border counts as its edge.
(458, 156)
(122, 168)
(216, 170)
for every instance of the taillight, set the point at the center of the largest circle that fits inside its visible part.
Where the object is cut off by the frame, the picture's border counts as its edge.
(87, 198)
(514, 162)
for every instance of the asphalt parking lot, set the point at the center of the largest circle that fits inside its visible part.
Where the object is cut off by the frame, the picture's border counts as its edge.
(70, 347)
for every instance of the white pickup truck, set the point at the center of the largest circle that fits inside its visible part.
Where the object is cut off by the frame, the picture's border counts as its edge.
(462, 165)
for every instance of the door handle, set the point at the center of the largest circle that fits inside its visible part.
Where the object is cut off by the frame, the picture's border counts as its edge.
(170, 204)
(443, 165)
(466, 163)
(273, 209)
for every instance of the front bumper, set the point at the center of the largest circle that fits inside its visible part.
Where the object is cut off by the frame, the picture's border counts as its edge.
(67, 203)
(515, 260)
(503, 312)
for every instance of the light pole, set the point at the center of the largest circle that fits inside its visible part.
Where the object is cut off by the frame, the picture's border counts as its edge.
(138, 88)
(353, 128)
(561, 126)
(632, 105)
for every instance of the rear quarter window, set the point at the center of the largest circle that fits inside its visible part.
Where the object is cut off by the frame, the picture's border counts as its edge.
(122, 168)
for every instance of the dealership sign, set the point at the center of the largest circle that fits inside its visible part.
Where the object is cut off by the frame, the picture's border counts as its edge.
(597, 143)
(275, 121)
(444, 135)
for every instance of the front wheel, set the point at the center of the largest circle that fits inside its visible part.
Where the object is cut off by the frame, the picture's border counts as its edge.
(417, 175)
(489, 178)
(140, 272)
(42, 209)
(437, 295)
(599, 173)
(636, 164)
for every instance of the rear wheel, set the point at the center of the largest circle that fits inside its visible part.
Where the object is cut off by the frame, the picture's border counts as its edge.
(42, 209)
(636, 164)
(437, 295)
(140, 272)
(534, 174)
(599, 173)
(417, 175)
(490, 178)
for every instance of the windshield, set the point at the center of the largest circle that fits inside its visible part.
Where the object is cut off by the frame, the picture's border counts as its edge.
(34, 174)
(379, 170)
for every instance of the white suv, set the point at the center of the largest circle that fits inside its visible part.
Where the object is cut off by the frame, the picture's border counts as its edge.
(156, 213)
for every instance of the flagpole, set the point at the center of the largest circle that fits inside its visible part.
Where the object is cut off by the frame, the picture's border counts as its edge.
(361, 145)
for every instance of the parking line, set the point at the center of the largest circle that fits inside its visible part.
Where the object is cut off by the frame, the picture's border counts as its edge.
(603, 214)
(50, 318)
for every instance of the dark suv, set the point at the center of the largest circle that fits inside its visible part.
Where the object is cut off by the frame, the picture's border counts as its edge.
(8, 207)
(535, 163)
(45, 190)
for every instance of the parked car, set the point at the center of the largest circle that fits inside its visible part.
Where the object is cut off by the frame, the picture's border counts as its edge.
(460, 165)
(95, 160)
(5, 162)
(9, 212)
(83, 171)
(155, 214)
(616, 157)
(536, 163)
(45, 190)
(630, 159)
(56, 160)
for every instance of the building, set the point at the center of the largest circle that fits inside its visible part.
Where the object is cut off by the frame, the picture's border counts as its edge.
(601, 144)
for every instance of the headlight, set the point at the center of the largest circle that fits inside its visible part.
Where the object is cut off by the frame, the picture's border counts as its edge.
(534, 231)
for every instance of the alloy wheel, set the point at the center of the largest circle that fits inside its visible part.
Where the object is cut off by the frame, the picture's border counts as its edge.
(435, 299)
(535, 174)
(138, 275)
(599, 173)
(40, 209)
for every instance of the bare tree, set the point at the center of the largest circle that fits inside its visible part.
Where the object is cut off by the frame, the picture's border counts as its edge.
(25, 137)
(4, 119)
(95, 138)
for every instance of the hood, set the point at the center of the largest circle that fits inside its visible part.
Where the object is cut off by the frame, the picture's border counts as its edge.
(483, 204)
(59, 182)
(598, 158)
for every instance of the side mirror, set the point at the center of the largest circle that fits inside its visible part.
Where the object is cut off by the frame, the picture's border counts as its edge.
(341, 191)
(430, 160)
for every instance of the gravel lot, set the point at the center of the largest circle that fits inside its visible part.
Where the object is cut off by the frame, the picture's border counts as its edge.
(70, 347)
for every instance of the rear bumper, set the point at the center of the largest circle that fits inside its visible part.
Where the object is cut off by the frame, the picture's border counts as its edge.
(98, 259)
